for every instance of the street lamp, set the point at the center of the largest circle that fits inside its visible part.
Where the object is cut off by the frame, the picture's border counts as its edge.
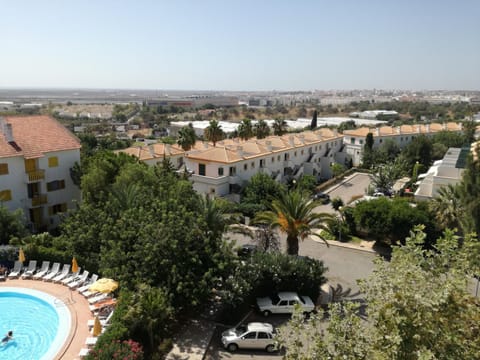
(340, 223)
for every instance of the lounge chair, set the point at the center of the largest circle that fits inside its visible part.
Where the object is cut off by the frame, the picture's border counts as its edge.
(87, 284)
(83, 353)
(91, 341)
(17, 269)
(102, 304)
(73, 277)
(104, 322)
(79, 281)
(43, 270)
(97, 298)
(32, 267)
(53, 272)
(63, 274)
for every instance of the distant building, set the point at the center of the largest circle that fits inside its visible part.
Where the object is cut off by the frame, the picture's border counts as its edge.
(355, 139)
(373, 114)
(36, 155)
(195, 101)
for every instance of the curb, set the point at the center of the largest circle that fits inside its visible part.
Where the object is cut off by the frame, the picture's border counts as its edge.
(347, 246)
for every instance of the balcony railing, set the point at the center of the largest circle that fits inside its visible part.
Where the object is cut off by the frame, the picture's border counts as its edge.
(39, 200)
(36, 175)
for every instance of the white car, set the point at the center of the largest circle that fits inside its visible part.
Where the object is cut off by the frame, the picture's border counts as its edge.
(254, 335)
(284, 303)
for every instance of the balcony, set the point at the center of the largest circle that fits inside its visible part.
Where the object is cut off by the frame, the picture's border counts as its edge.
(36, 175)
(39, 200)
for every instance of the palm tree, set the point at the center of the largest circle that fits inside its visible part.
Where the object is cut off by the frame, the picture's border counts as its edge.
(279, 127)
(186, 137)
(293, 213)
(262, 130)
(213, 132)
(245, 129)
(447, 207)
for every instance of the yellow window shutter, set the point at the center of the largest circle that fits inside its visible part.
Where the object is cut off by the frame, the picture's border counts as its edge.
(53, 161)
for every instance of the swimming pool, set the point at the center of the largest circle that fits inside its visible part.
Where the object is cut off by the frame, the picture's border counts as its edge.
(40, 323)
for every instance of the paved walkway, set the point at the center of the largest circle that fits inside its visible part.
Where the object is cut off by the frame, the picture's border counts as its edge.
(192, 342)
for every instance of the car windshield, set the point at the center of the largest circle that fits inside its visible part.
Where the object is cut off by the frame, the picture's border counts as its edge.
(275, 299)
(240, 330)
(301, 299)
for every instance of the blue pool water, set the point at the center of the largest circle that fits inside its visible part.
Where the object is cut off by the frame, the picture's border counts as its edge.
(40, 324)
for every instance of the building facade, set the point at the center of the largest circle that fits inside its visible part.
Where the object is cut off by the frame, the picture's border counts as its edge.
(36, 155)
(354, 140)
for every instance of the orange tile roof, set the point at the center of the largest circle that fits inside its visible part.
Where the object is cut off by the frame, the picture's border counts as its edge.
(36, 135)
(404, 129)
(153, 151)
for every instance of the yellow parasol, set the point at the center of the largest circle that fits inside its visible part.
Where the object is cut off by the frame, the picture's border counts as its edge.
(74, 265)
(103, 285)
(21, 255)
(97, 327)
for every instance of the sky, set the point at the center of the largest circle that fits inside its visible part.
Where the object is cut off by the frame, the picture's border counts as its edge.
(241, 45)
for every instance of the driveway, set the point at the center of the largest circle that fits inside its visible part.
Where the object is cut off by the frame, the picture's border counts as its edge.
(353, 186)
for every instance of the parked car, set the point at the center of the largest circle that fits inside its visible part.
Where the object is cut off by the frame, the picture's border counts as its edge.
(284, 303)
(254, 335)
(247, 250)
(324, 198)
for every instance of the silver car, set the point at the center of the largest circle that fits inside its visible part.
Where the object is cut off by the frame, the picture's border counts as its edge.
(254, 335)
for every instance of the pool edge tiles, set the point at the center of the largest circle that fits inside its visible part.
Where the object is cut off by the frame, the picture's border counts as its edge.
(64, 318)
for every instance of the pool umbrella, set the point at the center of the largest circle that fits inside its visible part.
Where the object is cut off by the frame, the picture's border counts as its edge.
(97, 327)
(21, 255)
(103, 285)
(74, 265)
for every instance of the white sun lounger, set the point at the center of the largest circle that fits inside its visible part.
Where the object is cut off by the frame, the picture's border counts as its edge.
(17, 269)
(91, 341)
(97, 298)
(83, 353)
(73, 277)
(32, 267)
(79, 281)
(53, 272)
(63, 274)
(104, 322)
(43, 270)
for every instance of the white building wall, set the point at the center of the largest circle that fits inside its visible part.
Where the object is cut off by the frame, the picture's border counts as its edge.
(14, 182)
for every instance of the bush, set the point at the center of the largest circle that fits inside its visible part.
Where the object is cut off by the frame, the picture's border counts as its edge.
(122, 350)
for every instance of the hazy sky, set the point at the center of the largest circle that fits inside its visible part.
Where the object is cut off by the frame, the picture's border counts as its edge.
(241, 45)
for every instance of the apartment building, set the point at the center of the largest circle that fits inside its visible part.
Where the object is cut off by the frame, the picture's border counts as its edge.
(36, 154)
(155, 153)
(354, 140)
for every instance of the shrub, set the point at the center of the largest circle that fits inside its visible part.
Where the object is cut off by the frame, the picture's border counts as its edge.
(122, 350)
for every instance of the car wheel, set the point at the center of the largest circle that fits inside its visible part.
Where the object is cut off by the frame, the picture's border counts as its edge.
(270, 348)
(232, 347)
(266, 313)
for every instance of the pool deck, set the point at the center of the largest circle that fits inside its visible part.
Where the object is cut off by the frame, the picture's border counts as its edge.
(79, 311)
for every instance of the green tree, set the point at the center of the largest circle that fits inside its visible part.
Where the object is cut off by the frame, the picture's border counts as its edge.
(469, 129)
(293, 214)
(279, 127)
(470, 191)
(447, 207)
(420, 149)
(261, 189)
(368, 152)
(262, 130)
(12, 224)
(245, 129)
(213, 132)
(186, 137)
(313, 124)
(337, 169)
(418, 308)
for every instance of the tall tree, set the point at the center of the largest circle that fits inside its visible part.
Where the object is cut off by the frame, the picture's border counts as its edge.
(293, 213)
(262, 130)
(186, 137)
(279, 127)
(313, 124)
(245, 129)
(213, 132)
(448, 208)
(12, 224)
(470, 190)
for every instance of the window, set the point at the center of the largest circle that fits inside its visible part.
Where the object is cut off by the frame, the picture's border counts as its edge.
(273, 159)
(201, 169)
(245, 167)
(56, 185)
(292, 302)
(58, 208)
(301, 152)
(316, 148)
(361, 142)
(278, 158)
(263, 335)
(233, 170)
(283, 303)
(380, 141)
(252, 165)
(5, 195)
(295, 154)
(3, 169)
(53, 161)
(251, 335)
(220, 171)
(286, 157)
(262, 163)
(352, 140)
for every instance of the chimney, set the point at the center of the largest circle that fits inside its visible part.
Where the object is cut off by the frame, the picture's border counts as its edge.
(151, 151)
(377, 131)
(302, 138)
(399, 130)
(460, 126)
(269, 145)
(418, 128)
(291, 140)
(168, 148)
(427, 128)
(444, 126)
(7, 129)
(240, 151)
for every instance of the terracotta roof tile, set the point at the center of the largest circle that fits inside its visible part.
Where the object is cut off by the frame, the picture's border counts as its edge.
(36, 135)
(405, 129)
